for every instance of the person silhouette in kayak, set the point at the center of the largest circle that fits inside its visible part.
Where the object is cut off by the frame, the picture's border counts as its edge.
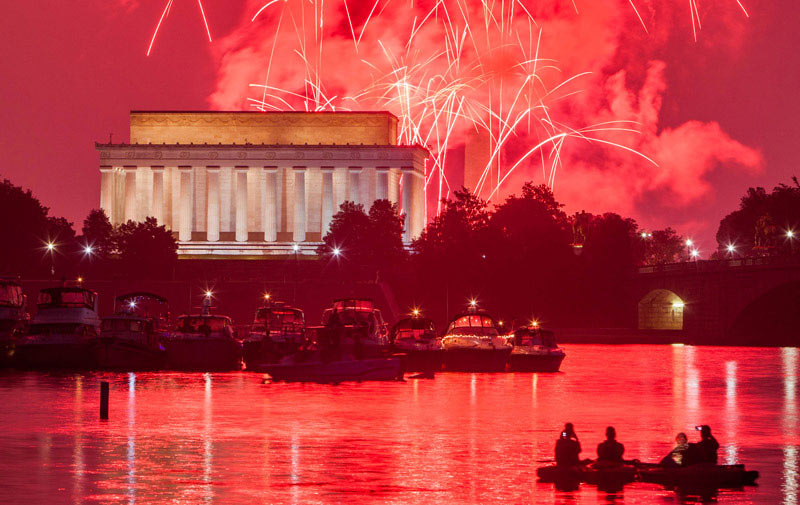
(610, 450)
(705, 451)
(677, 456)
(568, 448)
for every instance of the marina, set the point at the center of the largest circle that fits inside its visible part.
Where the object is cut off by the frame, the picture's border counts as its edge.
(240, 440)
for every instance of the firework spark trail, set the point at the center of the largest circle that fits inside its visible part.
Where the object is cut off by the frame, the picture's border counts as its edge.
(165, 13)
(486, 75)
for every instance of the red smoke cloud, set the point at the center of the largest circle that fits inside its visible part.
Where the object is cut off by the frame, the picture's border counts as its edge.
(481, 73)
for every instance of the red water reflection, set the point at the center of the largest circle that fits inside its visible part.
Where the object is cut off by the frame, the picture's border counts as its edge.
(461, 438)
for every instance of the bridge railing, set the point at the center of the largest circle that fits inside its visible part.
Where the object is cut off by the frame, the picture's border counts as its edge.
(720, 265)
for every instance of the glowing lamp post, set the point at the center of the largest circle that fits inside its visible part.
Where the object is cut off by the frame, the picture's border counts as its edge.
(51, 249)
(731, 249)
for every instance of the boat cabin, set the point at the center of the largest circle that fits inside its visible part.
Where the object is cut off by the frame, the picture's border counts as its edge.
(354, 312)
(529, 336)
(419, 328)
(473, 322)
(67, 298)
(205, 325)
(11, 294)
(279, 317)
(127, 327)
(144, 305)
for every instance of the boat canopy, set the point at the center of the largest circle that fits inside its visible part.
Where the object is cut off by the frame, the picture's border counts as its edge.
(71, 297)
(11, 294)
(414, 327)
(350, 316)
(141, 295)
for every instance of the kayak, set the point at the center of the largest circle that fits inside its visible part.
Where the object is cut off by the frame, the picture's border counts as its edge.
(594, 473)
(701, 475)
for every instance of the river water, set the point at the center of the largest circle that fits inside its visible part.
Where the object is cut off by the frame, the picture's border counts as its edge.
(460, 438)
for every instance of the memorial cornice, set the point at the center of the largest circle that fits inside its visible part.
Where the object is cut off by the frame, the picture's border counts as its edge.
(263, 153)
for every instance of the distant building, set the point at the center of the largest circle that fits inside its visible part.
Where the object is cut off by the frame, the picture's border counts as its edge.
(257, 183)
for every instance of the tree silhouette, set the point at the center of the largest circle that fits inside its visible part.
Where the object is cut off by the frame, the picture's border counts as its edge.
(146, 249)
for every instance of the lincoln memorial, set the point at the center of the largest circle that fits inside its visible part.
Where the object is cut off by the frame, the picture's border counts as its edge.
(258, 183)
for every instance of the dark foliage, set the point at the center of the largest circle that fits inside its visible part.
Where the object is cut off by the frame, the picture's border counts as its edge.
(759, 227)
(368, 244)
(146, 249)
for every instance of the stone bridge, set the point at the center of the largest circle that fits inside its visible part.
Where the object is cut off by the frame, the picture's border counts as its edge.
(746, 301)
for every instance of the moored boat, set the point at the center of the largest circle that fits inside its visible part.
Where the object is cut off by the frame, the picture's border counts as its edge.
(278, 331)
(131, 338)
(14, 318)
(534, 350)
(416, 338)
(58, 337)
(473, 344)
(353, 325)
(203, 342)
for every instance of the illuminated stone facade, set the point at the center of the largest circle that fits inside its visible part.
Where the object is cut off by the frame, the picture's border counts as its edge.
(252, 183)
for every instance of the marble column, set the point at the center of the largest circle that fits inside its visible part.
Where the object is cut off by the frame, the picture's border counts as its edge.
(354, 185)
(212, 224)
(107, 191)
(327, 199)
(185, 228)
(270, 204)
(407, 186)
(381, 183)
(158, 194)
(394, 186)
(241, 203)
(339, 187)
(299, 204)
(130, 194)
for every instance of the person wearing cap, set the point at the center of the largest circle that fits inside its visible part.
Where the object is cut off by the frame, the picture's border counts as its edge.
(677, 456)
(705, 451)
(568, 448)
(610, 450)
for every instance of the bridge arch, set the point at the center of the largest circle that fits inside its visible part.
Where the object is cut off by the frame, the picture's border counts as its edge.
(661, 309)
(772, 317)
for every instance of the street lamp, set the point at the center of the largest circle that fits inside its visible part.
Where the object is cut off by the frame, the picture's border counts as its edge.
(88, 250)
(731, 249)
(51, 249)
(336, 251)
(695, 253)
(790, 234)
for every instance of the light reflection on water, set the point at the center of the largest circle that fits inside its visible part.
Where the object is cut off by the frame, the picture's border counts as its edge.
(460, 438)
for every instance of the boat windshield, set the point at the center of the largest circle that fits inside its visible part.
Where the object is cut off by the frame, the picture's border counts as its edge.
(353, 304)
(76, 298)
(474, 324)
(199, 324)
(414, 328)
(10, 295)
(279, 317)
(529, 337)
(134, 325)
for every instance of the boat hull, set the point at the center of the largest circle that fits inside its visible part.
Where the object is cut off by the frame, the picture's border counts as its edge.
(475, 360)
(384, 369)
(422, 361)
(535, 362)
(203, 354)
(262, 352)
(119, 354)
(59, 355)
(700, 476)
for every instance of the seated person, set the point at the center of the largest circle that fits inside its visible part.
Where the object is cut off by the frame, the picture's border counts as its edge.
(677, 456)
(705, 451)
(610, 450)
(568, 448)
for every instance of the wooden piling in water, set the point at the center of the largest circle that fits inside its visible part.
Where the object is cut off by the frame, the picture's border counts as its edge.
(103, 400)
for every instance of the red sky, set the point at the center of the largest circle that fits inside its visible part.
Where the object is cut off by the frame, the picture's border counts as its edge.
(717, 115)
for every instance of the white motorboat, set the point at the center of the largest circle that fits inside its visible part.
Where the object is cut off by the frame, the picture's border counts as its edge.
(472, 343)
(58, 337)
